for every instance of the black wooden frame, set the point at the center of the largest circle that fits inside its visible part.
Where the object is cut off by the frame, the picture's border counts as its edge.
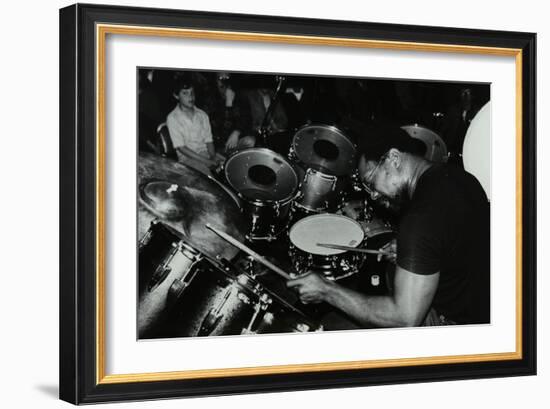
(78, 382)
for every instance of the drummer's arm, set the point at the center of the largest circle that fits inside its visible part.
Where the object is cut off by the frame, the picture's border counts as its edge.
(412, 297)
(409, 304)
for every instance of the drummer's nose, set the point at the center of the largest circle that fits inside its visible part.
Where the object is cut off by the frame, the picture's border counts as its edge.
(374, 195)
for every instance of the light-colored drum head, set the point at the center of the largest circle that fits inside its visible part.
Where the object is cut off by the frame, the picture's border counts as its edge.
(261, 174)
(476, 152)
(326, 228)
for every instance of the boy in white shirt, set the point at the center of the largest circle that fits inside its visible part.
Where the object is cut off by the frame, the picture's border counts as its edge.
(189, 129)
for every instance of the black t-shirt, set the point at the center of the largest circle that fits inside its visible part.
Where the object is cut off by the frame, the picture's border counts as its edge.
(446, 228)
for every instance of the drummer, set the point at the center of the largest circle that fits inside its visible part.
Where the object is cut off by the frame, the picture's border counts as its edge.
(442, 272)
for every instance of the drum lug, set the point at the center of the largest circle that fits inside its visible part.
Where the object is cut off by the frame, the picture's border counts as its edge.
(145, 239)
(301, 327)
(269, 318)
(249, 266)
(244, 298)
(264, 302)
(346, 265)
(277, 209)
(254, 223)
(158, 277)
(272, 234)
(306, 177)
(209, 323)
(148, 235)
(187, 251)
(214, 316)
(175, 291)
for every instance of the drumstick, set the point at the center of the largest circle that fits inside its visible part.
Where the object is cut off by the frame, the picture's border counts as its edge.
(249, 251)
(356, 249)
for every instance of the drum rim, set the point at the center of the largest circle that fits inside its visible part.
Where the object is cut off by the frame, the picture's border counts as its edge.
(335, 252)
(263, 202)
(321, 125)
(429, 130)
(267, 202)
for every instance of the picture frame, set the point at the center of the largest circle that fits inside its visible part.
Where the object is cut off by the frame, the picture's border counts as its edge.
(84, 177)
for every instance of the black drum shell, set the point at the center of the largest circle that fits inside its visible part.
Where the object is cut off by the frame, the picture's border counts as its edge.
(200, 297)
(267, 220)
(334, 267)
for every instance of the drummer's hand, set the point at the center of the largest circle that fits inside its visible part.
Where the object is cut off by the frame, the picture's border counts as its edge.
(232, 141)
(390, 247)
(311, 288)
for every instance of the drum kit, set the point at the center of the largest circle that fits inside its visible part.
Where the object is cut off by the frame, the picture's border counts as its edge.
(300, 211)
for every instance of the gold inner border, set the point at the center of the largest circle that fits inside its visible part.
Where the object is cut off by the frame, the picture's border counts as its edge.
(101, 33)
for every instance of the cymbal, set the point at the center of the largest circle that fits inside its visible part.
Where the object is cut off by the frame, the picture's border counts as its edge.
(186, 199)
(326, 149)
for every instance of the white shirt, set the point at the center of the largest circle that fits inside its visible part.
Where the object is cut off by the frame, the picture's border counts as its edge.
(192, 131)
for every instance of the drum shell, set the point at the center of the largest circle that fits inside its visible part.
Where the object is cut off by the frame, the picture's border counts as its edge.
(163, 260)
(333, 267)
(321, 192)
(267, 220)
(217, 303)
(198, 297)
(339, 160)
(193, 287)
(279, 318)
(334, 264)
(267, 208)
(213, 303)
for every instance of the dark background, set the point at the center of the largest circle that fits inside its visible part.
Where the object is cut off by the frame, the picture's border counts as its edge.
(444, 107)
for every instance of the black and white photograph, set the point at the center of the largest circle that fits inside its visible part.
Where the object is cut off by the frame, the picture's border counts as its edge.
(256, 201)
(276, 203)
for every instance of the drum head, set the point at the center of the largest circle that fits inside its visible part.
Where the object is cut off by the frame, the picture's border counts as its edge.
(436, 149)
(476, 152)
(328, 228)
(326, 149)
(261, 174)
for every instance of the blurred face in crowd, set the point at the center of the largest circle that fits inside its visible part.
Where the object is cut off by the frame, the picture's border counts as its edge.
(186, 98)
(384, 180)
(466, 98)
(222, 81)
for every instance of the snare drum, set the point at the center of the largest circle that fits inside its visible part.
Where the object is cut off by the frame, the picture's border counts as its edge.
(267, 183)
(334, 264)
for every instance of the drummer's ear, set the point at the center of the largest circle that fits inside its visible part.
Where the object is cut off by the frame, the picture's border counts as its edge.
(395, 158)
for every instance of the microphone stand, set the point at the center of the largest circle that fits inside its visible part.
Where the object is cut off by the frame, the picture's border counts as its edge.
(263, 132)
